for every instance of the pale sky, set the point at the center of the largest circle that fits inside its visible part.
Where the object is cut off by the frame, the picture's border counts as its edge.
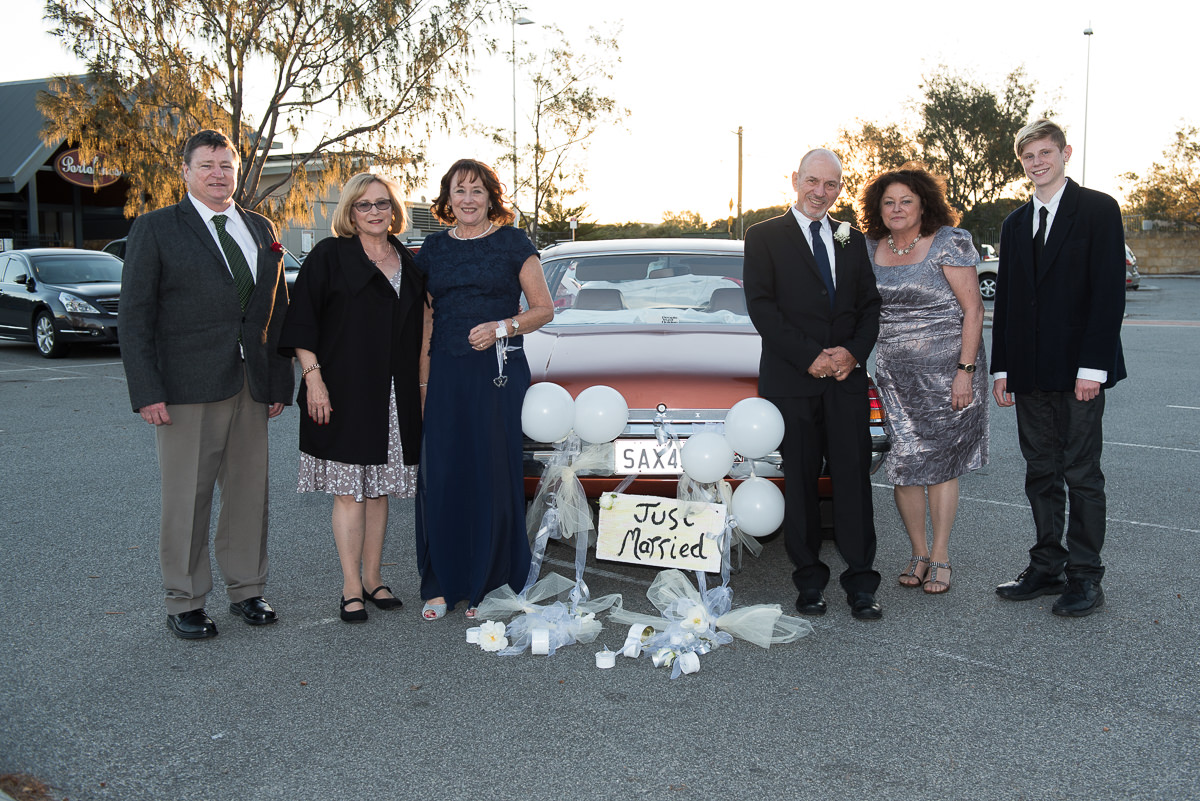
(792, 73)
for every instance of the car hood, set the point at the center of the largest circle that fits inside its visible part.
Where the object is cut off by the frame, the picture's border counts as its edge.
(105, 289)
(685, 367)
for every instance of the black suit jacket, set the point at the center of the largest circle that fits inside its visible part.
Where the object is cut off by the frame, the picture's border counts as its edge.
(789, 305)
(366, 339)
(1066, 313)
(180, 317)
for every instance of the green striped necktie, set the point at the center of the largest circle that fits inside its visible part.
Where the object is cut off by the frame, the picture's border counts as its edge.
(242, 278)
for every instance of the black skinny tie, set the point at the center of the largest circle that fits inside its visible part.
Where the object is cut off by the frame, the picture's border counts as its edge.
(1039, 239)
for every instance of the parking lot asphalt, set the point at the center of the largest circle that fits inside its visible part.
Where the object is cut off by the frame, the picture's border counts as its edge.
(963, 696)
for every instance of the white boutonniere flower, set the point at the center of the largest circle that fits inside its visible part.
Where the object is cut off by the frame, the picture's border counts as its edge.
(491, 636)
(842, 234)
(695, 619)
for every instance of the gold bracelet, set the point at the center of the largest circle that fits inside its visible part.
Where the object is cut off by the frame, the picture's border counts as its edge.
(309, 369)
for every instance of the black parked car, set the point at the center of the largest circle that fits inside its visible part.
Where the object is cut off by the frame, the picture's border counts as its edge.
(55, 296)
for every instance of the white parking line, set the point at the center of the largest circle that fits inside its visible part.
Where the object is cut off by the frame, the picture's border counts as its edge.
(1189, 408)
(1153, 447)
(60, 369)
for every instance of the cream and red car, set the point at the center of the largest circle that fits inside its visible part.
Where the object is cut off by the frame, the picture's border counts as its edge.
(664, 322)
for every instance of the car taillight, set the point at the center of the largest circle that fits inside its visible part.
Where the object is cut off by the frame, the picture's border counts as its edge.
(876, 406)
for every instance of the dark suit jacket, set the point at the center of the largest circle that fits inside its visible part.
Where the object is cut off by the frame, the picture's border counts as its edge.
(789, 305)
(367, 339)
(180, 317)
(1066, 314)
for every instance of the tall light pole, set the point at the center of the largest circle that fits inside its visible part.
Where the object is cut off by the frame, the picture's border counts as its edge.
(1087, 80)
(517, 20)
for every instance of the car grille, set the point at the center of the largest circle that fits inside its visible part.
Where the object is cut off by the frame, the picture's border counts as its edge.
(107, 304)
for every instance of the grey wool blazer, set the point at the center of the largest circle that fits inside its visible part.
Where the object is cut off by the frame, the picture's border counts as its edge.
(180, 317)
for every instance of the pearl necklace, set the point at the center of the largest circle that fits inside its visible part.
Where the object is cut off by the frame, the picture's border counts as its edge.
(905, 252)
(462, 238)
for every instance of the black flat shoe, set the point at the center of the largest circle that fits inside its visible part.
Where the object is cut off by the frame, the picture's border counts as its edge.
(1081, 598)
(192, 625)
(254, 611)
(810, 602)
(358, 615)
(383, 603)
(1030, 584)
(863, 606)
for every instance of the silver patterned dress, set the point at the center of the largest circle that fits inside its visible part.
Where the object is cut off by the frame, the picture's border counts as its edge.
(916, 360)
(364, 481)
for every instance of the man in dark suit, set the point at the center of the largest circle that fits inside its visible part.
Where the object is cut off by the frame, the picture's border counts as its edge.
(811, 294)
(202, 304)
(1056, 346)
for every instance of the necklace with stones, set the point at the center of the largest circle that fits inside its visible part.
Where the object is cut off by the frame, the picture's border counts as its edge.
(905, 252)
(462, 238)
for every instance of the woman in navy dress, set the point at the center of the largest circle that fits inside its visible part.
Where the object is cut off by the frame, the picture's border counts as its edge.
(470, 515)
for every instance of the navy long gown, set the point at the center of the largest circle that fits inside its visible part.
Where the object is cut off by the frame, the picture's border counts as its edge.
(470, 515)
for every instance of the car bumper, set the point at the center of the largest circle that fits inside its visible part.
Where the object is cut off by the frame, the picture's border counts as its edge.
(80, 328)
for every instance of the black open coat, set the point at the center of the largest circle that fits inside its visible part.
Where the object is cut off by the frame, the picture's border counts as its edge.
(366, 339)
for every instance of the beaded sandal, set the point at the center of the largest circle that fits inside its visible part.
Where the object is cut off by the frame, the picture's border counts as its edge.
(911, 573)
(933, 585)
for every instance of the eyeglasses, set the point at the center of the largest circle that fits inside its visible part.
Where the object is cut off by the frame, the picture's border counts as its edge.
(364, 206)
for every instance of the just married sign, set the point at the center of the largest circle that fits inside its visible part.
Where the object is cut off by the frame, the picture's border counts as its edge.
(660, 532)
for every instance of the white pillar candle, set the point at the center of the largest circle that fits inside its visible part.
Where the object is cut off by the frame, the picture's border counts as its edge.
(606, 659)
(541, 641)
(473, 635)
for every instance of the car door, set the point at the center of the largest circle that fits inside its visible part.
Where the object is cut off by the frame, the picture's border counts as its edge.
(12, 301)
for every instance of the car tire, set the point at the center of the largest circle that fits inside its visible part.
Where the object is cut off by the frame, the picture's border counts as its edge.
(987, 286)
(45, 336)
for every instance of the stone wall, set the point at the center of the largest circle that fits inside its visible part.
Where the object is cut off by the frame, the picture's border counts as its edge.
(1165, 252)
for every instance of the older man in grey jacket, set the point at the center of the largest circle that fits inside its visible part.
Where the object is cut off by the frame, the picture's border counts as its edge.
(202, 303)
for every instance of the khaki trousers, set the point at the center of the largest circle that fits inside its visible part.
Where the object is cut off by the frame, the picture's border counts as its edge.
(222, 443)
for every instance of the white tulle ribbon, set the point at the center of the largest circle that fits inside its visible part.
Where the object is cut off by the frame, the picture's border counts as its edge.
(695, 621)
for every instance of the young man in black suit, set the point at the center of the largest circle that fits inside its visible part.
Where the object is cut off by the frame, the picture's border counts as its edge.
(1056, 346)
(811, 294)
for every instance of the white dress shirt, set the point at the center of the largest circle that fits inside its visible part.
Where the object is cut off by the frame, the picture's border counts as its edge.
(826, 238)
(235, 226)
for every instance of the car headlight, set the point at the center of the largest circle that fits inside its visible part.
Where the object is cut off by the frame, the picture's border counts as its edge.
(76, 305)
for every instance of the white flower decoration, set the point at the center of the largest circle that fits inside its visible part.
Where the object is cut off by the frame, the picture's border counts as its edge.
(491, 636)
(695, 619)
(842, 234)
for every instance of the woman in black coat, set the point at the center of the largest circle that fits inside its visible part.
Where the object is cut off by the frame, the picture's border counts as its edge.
(355, 323)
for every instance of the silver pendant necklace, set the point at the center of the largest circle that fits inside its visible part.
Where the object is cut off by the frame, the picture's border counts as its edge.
(905, 252)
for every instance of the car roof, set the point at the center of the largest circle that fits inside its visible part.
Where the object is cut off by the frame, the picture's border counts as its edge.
(61, 252)
(647, 245)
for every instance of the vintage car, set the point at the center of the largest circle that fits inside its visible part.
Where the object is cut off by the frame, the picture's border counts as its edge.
(664, 322)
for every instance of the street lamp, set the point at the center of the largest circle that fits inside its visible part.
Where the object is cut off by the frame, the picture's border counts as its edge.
(1087, 80)
(522, 20)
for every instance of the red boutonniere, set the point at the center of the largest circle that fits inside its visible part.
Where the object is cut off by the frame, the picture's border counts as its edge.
(276, 247)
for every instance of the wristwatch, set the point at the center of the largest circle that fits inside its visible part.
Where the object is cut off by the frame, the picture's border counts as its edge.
(966, 368)
(515, 325)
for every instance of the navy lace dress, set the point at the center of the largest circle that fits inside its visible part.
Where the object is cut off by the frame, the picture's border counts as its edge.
(470, 515)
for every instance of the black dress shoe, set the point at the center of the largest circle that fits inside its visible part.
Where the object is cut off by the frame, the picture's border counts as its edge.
(863, 606)
(1030, 584)
(810, 602)
(383, 603)
(354, 615)
(254, 611)
(1082, 597)
(192, 625)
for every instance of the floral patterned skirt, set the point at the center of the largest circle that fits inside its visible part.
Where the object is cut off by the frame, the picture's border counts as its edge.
(362, 481)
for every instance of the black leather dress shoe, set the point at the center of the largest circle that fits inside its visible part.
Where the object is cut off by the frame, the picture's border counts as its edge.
(1030, 584)
(810, 602)
(254, 611)
(1081, 598)
(192, 625)
(863, 606)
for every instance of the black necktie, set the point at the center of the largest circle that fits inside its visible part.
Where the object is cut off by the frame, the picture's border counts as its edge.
(242, 279)
(822, 257)
(1039, 239)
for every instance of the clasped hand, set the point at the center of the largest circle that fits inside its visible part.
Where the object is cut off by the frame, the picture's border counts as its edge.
(833, 362)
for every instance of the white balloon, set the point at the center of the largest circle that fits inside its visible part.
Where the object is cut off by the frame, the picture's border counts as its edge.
(601, 414)
(758, 506)
(754, 427)
(547, 413)
(706, 457)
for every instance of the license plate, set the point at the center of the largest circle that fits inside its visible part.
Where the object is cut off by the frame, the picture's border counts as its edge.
(647, 457)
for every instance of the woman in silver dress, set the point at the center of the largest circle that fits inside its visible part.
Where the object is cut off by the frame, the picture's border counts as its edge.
(355, 323)
(930, 364)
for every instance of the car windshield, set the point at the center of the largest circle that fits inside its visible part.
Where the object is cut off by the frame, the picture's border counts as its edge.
(70, 269)
(647, 288)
